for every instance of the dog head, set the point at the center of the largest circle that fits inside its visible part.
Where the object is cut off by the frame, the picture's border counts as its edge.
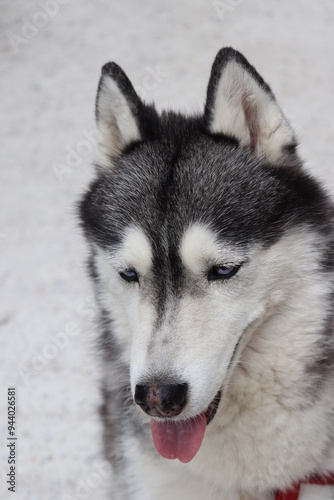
(190, 219)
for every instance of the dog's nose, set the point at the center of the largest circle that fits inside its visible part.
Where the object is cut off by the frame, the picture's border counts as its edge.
(161, 400)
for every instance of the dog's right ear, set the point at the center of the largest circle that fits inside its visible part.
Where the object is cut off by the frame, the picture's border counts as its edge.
(117, 114)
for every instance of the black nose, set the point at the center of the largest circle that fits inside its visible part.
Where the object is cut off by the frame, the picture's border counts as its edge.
(160, 400)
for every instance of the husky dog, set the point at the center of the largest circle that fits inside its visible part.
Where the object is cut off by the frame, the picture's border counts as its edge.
(212, 257)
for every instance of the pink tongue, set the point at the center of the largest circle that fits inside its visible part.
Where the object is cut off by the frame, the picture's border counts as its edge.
(180, 440)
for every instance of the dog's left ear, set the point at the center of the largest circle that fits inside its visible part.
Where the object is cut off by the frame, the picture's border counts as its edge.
(240, 104)
(118, 108)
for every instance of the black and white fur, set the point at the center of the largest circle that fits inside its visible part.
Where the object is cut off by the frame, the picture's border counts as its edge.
(173, 196)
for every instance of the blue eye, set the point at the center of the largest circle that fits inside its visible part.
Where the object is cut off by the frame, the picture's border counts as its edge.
(222, 272)
(129, 275)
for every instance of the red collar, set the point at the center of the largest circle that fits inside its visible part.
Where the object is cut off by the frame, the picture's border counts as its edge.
(294, 492)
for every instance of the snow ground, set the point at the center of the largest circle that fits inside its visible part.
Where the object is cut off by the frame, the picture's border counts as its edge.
(48, 83)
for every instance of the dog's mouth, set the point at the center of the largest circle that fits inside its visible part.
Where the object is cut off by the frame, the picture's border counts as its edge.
(213, 407)
(182, 438)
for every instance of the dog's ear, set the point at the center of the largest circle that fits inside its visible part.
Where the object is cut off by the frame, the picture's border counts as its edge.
(117, 114)
(240, 104)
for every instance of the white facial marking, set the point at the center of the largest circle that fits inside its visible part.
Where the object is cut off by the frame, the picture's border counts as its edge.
(199, 247)
(135, 251)
(120, 298)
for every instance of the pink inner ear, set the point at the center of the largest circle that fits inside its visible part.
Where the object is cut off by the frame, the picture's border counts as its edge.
(251, 117)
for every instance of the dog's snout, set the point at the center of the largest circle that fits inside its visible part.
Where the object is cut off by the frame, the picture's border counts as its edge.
(161, 400)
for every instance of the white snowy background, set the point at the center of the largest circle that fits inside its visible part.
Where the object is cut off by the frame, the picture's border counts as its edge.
(51, 53)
